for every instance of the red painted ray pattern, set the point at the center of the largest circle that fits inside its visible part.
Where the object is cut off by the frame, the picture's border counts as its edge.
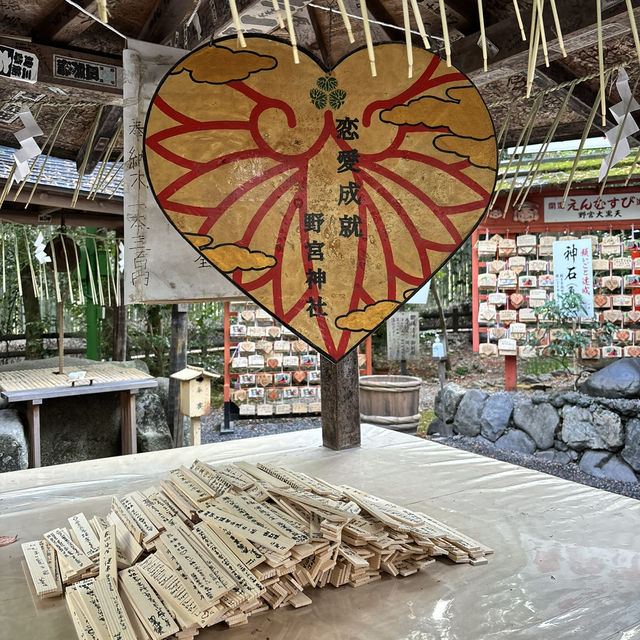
(270, 186)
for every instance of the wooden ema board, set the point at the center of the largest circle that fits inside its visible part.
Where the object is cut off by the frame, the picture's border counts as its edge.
(614, 256)
(271, 370)
(235, 556)
(48, 378)
(327, 198)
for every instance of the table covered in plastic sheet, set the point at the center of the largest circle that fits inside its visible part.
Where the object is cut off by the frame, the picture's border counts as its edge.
(566, 561)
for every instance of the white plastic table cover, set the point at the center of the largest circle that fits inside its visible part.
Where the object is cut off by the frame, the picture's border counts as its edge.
(566, 562)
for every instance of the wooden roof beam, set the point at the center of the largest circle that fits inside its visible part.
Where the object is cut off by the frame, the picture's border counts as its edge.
(468, 11)
(107, 127)
(69, 217)
(582, 98)
(578, 21)
(64, 22)
(99, 76)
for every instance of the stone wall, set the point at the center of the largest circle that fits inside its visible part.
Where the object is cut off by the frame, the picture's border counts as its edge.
(601, 435)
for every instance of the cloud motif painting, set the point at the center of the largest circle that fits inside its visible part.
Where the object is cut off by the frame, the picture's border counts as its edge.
(327, 197)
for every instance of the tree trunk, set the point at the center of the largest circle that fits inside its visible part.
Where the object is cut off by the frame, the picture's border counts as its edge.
(443, 324)
(34, 349)
(177, 361)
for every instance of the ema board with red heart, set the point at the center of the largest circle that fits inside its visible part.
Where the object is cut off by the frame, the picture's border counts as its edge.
(327, 197)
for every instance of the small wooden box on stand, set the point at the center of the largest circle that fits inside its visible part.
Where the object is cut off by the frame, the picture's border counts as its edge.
(195, 396)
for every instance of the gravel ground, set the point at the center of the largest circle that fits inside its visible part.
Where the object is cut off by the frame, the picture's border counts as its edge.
(569, 471)
(251, 428)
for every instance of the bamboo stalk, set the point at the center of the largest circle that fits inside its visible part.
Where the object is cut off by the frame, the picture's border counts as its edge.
(483, 35)
(633, 166)
(236, 23)
(603, 98)
(445, 32)
(585, 133)
(17, 259)
(529, 127)
(81, 296)
(34, 280)
(98, 274)
(367, 37)
(537, 163)
(634, 27)
(55, 132)
(345, 19)
(534, 36)
(83, 166)
(43, 278)
(4, 264)
(108, 274)
(66, 260)
(55, 272)
(556, 22)
(110, 174)
(292, 33)
(618, 138)
(543, 33)
(92, 286)
(276, 9)
(103, 163)
(418, 16)
(407, 37)
(505, 124)
(516, 8)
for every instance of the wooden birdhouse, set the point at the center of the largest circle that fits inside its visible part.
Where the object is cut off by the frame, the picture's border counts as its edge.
(195, 390)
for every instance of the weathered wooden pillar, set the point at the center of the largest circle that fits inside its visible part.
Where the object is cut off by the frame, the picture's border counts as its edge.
(120, 326)
(340, 402)
(177, 361)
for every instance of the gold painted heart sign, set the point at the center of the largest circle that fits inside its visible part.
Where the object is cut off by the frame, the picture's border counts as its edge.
(328, 197)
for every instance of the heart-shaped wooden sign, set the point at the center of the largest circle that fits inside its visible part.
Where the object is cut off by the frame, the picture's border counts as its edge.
(299, 376)
(632, 351)
(326, 197)
(516, 300)
(633, 317)
(600, 300)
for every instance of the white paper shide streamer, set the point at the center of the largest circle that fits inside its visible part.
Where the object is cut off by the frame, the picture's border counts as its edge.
(29, 149)
(121, 256)
(40, 253)
(627, 126)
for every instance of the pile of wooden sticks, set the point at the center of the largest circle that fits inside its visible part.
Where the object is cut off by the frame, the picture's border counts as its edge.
(218, 544)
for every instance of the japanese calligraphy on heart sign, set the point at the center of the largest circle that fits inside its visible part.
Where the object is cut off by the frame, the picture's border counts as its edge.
(328, 197)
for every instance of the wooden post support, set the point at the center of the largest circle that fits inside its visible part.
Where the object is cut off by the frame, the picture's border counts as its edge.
(128, 421)
(369, 356)
(120, 329)
(442, 371)
(177, 362)
(60, 323)
(196, 439)
(33, 419)
(340, 402)
(510, 373)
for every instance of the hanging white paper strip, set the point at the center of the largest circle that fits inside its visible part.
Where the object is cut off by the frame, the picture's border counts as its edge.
(617, 136)
(40, 253)
(29, 149)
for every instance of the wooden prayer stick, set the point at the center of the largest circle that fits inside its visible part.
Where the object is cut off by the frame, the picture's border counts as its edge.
(445, 32)
(367, 37)
(603, 97)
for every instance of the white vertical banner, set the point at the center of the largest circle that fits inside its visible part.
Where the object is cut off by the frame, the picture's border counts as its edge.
(160, 265)
(573, 271)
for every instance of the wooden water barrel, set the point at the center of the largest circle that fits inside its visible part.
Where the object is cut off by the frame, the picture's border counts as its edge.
(390, 401)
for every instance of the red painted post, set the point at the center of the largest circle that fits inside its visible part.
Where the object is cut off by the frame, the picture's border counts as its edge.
(227, 353)
(369, 356)
(510, 373)
(475, 298)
